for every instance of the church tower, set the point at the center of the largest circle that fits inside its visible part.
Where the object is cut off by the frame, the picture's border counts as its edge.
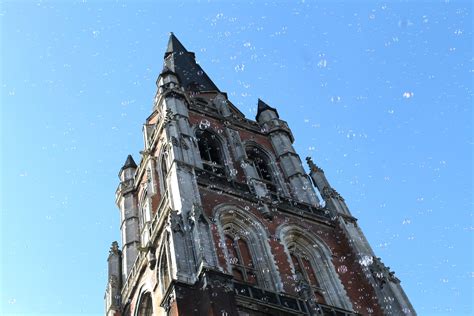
(220, 218)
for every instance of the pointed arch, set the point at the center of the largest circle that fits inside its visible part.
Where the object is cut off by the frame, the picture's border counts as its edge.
(144, 305)
(164, 275)
(211, 151)
(310, 260)
(163, 168)
(244, 241)
(266, 166)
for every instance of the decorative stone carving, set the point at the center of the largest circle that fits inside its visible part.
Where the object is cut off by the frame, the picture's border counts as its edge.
(168, 116)
(151, 257)
(196, 215)
(113, 281)
(329, 192)
(174, 141)
(176, 223)
(183, 143)
(312, 165)
(381, 273)
(114, 249)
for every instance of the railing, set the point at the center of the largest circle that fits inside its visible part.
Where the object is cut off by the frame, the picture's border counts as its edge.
(136, 267)
(286, 302)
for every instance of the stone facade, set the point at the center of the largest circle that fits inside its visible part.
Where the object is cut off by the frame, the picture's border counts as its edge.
(220, 217)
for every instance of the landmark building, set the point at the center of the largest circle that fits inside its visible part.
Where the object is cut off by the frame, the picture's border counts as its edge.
(220, 218)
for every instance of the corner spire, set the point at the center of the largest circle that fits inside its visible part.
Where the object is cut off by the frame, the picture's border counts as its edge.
(174, 46)
(129, 163)
(262, 106)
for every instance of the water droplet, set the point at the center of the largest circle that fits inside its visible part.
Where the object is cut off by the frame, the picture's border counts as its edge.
(366, 260)
(204, 124)
(408, 94)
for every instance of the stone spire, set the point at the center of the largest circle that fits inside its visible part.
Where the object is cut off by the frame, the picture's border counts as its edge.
(174, 46)
(183, 63)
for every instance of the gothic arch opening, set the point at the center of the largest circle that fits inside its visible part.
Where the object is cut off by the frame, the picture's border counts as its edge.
(164, 170)
(312, 266)
(211, 152)
(145, 305)
(244, 243)
(164, 264)
(265, 167)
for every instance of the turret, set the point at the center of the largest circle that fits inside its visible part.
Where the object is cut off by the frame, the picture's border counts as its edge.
(333, 199)
(126, 200)
(282, 141)
(114, 284)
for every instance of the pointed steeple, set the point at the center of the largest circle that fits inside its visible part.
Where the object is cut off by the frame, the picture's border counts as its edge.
(174, 46)
(262, 106)
(183, 64)
(129, 163)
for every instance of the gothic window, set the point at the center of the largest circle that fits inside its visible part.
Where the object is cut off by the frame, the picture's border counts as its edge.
(240, 259)
(164, 170)
(164, 271)
(263, 167)
(249, 256)
(314, 272)
(146, 306)
(305, 274)
(210, 150)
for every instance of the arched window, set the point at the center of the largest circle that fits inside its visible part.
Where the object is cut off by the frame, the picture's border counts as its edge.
(263, 167)
(246, 248)
(164, 271)
(314, 272)
(306, 275)
(210, 150)
(164, 169)
(145, 307)
(240, 259)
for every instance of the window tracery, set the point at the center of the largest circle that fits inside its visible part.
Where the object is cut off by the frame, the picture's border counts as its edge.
(210, 150)
(240, 258)
(314, 272)
(247, 251)
(262, 164)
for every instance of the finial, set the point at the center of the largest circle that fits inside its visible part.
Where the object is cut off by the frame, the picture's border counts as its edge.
(114, 249)
(312, 165)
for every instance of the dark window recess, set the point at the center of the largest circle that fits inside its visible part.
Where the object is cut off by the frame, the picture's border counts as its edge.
(164, 170)
(262, 166)
(164, 270)
(146, 306)
(241, 260)
(305, 273)
(289, 302)
(211, 152)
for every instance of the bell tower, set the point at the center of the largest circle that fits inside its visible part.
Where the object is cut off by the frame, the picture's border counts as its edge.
(219, 217)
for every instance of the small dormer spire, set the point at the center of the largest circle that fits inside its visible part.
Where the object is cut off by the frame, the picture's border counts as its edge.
(129, 163)
(262, 106)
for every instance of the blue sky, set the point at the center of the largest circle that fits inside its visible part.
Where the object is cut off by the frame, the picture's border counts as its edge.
(379, 93)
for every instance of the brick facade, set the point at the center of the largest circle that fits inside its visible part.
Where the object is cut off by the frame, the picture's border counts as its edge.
(220, 218)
